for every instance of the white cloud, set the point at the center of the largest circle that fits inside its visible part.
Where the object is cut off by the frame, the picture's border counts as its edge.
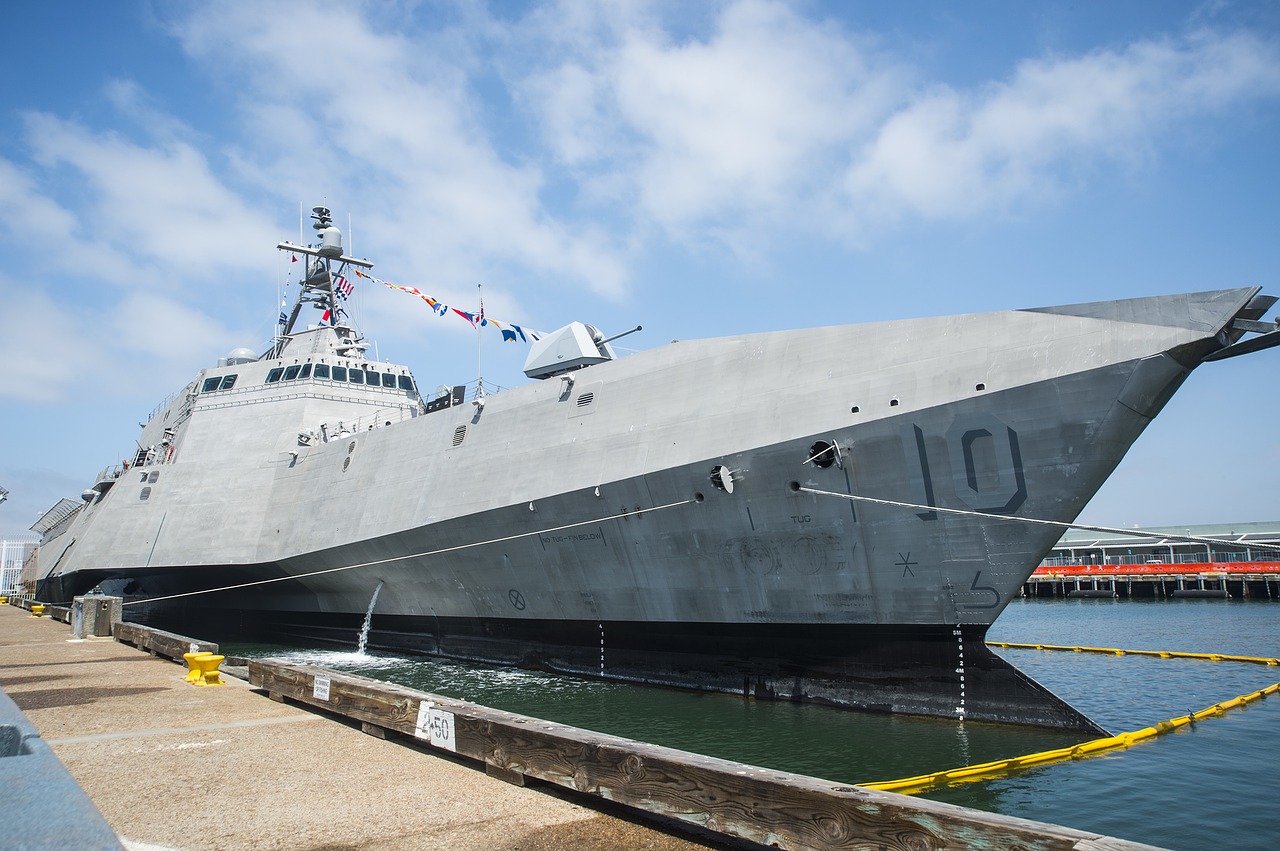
(747, 120)
(115, 248)
(161, 205)
(161, 330)
(954, 154)
(743, 123)
(59, 349)
(396, 124)
(766, 119)
(47, 347)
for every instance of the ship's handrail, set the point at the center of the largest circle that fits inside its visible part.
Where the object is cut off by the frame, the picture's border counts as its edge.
(235, 398)
(473, 389)
(109, 473)
(368, 422)
(164, 404)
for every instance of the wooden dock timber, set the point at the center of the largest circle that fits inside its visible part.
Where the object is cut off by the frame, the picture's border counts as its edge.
(157, 642)
(772, 808)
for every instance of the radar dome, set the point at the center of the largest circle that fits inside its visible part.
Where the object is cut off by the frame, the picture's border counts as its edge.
(330, 242)
(241, 355)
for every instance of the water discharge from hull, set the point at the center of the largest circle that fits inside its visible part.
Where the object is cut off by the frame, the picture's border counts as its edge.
(363, 641)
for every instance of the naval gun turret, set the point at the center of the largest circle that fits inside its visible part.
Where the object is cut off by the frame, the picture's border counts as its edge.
(572, 347)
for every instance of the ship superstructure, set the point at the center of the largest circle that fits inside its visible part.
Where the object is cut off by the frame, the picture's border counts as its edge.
(824, 514)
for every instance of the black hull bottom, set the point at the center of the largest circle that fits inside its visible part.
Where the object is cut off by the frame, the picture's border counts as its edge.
(937, 670)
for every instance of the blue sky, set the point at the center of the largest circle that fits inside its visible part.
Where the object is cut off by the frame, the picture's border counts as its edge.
(744, 166)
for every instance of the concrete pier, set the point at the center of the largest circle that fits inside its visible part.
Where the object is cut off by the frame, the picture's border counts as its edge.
(173, 766)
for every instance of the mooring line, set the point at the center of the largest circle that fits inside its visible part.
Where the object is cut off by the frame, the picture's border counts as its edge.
(1001, 767)
(1195, 539)
(425, 553)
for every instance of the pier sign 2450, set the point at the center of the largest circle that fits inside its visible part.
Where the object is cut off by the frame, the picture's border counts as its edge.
(436, 726)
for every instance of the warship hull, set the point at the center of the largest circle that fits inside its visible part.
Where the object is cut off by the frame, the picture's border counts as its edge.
(833, 515)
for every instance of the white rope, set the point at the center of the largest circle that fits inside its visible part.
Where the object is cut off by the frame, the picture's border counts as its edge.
(1128, 533)
(413, 555)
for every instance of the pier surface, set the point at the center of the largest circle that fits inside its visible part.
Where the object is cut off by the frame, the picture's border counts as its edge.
(174, 766)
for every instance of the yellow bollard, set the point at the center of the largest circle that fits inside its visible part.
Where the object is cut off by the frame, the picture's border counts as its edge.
(37, 611)
(193, 674)
(4, 601)
(209, 674)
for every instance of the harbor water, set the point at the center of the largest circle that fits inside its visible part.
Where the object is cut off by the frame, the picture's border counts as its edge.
(1211, 785)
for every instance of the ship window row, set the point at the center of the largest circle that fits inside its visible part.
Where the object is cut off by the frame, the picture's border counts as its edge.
(219, 382)
(349, 375)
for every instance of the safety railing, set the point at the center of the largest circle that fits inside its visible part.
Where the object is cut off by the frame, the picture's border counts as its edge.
(1176, 558)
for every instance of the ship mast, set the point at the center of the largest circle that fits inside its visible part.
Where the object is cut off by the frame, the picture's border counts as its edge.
(319, 284)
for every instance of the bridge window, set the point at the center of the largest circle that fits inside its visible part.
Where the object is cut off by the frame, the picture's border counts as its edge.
(406, 383)
(388, 380)
(274, 375)
(229, 381)
(211, 384)
(322, 370)
(339, 373)
(372, 379)
(306, 370)
(291, 372)
(355, 376)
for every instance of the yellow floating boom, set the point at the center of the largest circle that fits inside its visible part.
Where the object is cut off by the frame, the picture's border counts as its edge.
(1001, 767)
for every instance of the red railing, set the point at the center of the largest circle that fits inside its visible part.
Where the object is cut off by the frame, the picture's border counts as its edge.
(1234, 568)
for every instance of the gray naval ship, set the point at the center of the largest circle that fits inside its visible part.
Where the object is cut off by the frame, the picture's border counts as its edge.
(826, 515)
